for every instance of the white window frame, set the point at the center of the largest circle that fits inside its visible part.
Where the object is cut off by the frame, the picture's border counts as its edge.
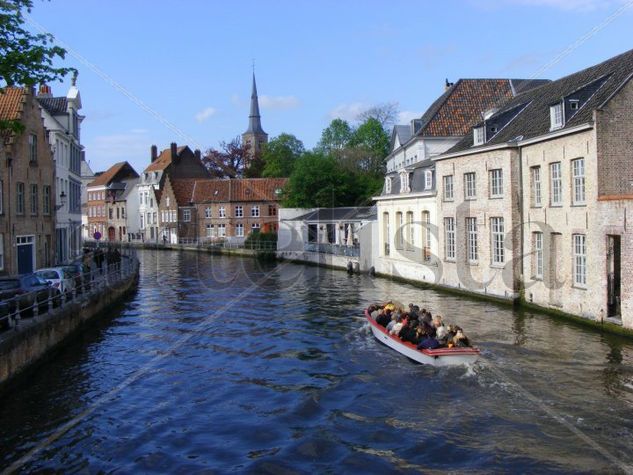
(222, 212)
(479, 136)
(19, 201)
(255, 226)
(399, 230)
(449, 190)
(222, 230)
(496, 182)
(579, 250)
(239, 211)
(497, 236)
(209, 229)
(32, 148)
(472, 251)
(426, 248)
(449, 239)
(410, 231)
(578, 181)
(255, 211)
(239, 230)
(556, 184)
(537, 246)
(186, 215)
(387, 185)
(537, 189)
(428, 179)
(470, 186)
(404, 182)
(557, 120)
(207, 212)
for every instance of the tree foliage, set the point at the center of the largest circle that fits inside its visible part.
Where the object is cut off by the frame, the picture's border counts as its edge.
(26, 59)
(280, 155)
(335, 137)
(229, 160)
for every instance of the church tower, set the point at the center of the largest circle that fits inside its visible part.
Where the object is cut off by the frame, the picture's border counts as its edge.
(254, 135)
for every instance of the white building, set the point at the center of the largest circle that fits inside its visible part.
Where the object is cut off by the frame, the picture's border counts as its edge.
(63, 122)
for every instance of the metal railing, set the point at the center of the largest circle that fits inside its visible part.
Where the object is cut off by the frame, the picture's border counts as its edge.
(44, 301)
(334, 249)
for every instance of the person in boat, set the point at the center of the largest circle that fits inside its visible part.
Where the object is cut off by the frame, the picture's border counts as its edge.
(383, 318)
(400, 323)
(428, 343)
(441, 332)
(409, 332)
(374, 311)
(394, 320)
(460, 340)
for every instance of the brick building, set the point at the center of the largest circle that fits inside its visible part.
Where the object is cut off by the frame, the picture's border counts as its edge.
(216, 209)
(27, 187)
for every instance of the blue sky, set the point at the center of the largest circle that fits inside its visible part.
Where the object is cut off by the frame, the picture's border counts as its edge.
(188, 63)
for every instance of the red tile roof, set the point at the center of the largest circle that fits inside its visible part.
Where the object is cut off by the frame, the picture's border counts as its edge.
(224, 190)
(215, 190)
(112, 172)
(183, 190)
(11, 103)
(455, 111)
(163, 160)
(257, 189)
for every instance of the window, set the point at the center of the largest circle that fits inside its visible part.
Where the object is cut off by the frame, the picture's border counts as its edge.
(478, 136)
(221, 230)
(19, 199)
(385, 233)
(556, 184)
(118, 213)
(449, 238)
(404, 182)
(155, 215)
(239, 230)
(556, 116)
(255, 211)
(142, 218)
(32, 148)
(574, 104)
(496, 183)
(186, 215)
(207, 212)
(167, 201)
(239, 212)
(410, 231)
(123, 213)
(255, 227)
(497, 235)
(172, 216)
(209, 228)
(535, 177)
(580, 260)
(428, 180)
(448, 187)
(470, 190)
(471, 239)
(1, 251)
(387, 185)
(34, 200)
(110, 216)
(578, 180)
(537, 246)
(426, 222)
(222, 212)
(399, 231)
(272, 210)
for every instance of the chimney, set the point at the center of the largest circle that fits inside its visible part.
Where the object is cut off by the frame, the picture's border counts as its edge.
(197, 154)
(174, 151)
(447, 84)
(154, 153)
(45, 91)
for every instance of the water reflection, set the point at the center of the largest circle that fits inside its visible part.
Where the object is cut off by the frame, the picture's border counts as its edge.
(289, 378)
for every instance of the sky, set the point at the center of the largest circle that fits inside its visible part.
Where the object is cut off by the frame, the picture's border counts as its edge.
(162, 71)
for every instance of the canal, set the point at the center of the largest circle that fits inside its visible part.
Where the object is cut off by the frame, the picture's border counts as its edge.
(221, 364)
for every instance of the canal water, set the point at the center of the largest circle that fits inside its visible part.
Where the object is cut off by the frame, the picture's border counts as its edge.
(223, 364)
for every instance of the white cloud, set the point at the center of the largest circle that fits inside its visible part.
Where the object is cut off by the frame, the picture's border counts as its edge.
(278, 102)
(205, 113)
(348, 112)
(405, 117)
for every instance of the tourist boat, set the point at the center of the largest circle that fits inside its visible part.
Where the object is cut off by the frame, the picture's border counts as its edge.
(438, 357)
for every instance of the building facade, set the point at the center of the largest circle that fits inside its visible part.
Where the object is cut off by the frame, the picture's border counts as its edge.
(28, 197)
(63, 122)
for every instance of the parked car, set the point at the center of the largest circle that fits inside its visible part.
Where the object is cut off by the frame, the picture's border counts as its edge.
(59, 279)
(26, 290)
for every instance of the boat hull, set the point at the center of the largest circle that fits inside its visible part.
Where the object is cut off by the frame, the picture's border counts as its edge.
(438, 357)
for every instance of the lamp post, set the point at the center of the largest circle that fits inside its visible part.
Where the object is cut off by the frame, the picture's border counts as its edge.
(62, 201)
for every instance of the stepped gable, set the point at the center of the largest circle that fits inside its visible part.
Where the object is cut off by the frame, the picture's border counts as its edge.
(11, 103)
(600, 82)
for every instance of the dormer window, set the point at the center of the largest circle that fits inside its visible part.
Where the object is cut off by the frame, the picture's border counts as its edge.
(556, 116)
(428, 179)
(478, 136)
(574, 104)
(404, 182)
(387, 185)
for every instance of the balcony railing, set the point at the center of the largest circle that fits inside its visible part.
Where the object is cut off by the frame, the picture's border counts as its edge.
(334, 249)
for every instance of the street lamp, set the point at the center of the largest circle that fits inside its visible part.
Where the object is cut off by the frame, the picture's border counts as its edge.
(62, 201)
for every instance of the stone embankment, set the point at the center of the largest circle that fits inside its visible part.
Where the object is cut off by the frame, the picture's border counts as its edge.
(32, 339)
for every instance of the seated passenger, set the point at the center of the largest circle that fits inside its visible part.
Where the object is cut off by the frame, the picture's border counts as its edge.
(384, 318)
(408, 331)
(393, 321)
(460, 340)
(395, 330)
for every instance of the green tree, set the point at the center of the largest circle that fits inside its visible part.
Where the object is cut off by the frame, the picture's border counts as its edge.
(26, 59)
(280, 155)
(369, 147)
(319, 181)
(335, 137)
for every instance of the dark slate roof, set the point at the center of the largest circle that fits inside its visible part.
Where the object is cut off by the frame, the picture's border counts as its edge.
(416, 180)
(592, 86)
(339, 214)
(403, 132)
(54, 105)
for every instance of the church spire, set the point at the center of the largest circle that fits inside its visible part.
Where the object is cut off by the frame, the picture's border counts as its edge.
(254, 119)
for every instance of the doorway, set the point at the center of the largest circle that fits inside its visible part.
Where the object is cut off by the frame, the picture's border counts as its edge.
(613, 276)
(26, 254)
